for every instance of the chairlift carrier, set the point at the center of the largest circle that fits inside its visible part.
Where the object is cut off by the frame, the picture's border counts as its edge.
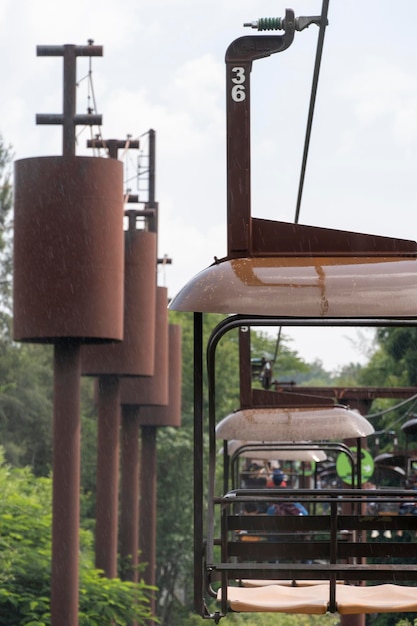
(281, 274)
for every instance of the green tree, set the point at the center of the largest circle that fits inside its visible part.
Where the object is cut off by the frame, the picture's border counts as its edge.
(26, 405)
(392, 364)
(25, 372)
(400, 345)
(6, 256)
(25, 563)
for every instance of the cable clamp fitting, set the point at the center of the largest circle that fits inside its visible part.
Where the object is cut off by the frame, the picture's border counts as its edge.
(278, 23)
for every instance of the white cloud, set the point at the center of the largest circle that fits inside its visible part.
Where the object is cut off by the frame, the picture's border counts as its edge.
(190, 248)
(383, 94)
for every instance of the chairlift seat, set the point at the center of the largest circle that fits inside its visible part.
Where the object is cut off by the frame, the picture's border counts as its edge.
(279, 598)
(314, 599)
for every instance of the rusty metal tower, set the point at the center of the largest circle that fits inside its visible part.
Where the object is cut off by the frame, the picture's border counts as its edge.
(68, 290)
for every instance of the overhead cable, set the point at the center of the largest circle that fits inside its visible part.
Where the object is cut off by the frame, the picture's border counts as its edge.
(319, 53)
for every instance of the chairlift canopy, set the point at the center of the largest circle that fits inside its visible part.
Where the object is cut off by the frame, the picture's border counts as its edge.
(314, 287)
(312, 424)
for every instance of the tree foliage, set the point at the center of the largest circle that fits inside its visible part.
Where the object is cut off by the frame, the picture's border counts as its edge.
(25, 563)
(6, 255)
(25, 373)
(392, 364)
(400, 347)
(26, 405)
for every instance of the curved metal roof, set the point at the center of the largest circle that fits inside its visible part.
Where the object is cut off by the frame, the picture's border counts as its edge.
(312, 424)
(315, 287)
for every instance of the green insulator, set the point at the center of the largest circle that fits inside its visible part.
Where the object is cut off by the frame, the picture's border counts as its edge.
(270, 23)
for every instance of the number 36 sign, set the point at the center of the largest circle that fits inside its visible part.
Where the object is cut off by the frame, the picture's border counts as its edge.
(238, 88)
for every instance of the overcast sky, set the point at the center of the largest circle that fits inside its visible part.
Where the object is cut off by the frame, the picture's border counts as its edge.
(163, 68)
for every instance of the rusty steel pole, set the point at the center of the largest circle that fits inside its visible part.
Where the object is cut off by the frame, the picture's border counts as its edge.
(66, 484)
(137, 393)
(109, 363)
(147, 526)
(107, 489)
(68, 290)
(69, 118)
(134, 356)
(152, 417)
(129, 492)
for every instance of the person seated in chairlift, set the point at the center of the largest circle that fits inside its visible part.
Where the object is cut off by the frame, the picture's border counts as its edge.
(284, 507)
(255, 477)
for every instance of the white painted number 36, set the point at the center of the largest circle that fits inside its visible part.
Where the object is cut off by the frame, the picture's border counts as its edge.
(238, 89)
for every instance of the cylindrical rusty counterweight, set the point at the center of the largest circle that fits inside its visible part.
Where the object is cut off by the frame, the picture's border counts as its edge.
(68, 249)
(169, 415)
(152, 390)
(135, 355)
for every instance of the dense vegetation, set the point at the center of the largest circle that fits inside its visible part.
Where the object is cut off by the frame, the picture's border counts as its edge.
(25, 562)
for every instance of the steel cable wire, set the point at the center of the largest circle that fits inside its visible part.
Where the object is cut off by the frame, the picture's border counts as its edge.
(316, 73)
